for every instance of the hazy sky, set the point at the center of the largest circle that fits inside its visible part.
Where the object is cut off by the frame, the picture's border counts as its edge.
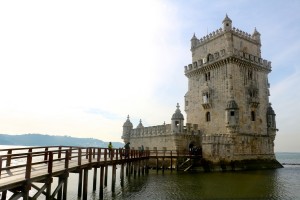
(79, 68)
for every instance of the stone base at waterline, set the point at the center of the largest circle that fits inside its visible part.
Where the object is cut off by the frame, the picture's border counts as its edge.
(237, 165)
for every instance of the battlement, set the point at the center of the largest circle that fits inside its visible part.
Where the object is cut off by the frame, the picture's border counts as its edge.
(151, 131)
(223, 55)
(219, 32)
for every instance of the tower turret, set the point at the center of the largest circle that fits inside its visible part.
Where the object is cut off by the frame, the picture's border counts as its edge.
(127, 127)
(256, 35)
(227, 23)
(271, 123)
(177, 121)
(140, 125)
(194, 41)
(232, 116)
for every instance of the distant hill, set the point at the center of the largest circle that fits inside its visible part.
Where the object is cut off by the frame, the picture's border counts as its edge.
(51, 140)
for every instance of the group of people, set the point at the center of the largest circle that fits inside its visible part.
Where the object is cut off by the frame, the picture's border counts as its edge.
(127, 150)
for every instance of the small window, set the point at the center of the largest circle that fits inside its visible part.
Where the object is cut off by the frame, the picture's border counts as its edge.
(176, 123)
(207, 76)
(232, 113)
(208, 116)
(222, 52)
(252, 116)
(206, 97)
(250, 75)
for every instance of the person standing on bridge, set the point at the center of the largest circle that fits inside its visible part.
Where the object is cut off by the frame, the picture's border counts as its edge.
(127, 149)
(110, 146)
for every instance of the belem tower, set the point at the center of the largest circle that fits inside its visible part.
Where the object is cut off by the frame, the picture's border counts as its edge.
(228, 113)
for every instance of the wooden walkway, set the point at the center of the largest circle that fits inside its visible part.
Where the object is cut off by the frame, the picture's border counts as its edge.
(22, 168)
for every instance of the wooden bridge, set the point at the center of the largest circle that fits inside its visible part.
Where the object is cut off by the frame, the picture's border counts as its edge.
(22, 168)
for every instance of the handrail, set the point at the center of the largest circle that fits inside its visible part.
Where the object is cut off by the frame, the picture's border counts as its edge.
(51, 154)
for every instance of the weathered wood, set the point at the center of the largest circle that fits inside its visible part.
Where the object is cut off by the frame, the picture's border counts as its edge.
(122, 174)
(43, 163)
(101, 182)
(79, 190)
(105, 175)
(113, 178)
(95, 179)
(85, 183)
(65, 187)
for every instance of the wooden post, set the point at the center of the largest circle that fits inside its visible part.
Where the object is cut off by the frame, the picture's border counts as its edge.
(105, 155)
(0, 165)
(70, 153)
(134, 168)
(67, 159)
(8, 158)
(79, 157)
(105, 175)
(85, 184)
(3, 196)
(101, 182)
(113, 178)
(171, 162)
(48, 190)
(79, 190)
(95, 179)
(99, 155)
(94, 153)
(90, 155)
(50, 163)
(65, 189)
(156, 161)
(139, 167)
(122, 175)
(28, 166)
(59, 192)
(59, 152)
(46, 154)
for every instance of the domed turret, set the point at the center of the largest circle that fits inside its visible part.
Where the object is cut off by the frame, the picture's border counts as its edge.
(177, 121)
(270, 110)
(194, 41)
(271, 118)
(140, 125)
(177, 115)
(127, 127)
(227, 23)
(232, 116)
(256, 35)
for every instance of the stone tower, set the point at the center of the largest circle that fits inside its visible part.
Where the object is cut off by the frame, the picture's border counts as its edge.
(228, 95)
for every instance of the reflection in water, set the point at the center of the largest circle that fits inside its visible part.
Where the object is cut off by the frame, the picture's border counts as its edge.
(263, 184)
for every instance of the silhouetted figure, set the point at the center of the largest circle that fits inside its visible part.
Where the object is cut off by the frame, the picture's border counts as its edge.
(127, 149)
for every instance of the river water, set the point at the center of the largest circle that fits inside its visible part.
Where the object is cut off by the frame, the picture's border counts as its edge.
(282, 184)
(276, 184)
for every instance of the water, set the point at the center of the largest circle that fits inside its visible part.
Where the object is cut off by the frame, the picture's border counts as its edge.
(262, 184)
(283, 184)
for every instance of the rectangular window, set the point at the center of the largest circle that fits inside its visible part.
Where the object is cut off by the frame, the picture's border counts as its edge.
(232, 113)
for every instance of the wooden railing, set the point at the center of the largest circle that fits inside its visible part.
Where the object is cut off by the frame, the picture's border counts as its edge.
(29, 157)
(32, 156)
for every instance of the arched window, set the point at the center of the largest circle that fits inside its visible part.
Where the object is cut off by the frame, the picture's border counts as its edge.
(252, 116)
(208, 116)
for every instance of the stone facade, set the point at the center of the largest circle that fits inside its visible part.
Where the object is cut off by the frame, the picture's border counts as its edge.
(229, 115)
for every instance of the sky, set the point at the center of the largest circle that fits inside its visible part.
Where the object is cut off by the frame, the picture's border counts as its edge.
(78, 68)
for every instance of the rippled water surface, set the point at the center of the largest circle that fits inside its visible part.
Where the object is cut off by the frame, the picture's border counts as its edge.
(264, 184)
